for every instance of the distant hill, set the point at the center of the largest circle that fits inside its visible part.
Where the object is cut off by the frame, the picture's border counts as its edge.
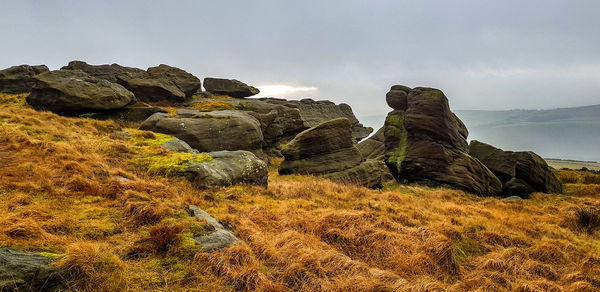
(563, 133)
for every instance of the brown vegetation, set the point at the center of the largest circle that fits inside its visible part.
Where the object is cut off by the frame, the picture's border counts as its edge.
(59, 193)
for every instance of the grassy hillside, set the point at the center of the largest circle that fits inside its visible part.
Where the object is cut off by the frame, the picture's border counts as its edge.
(62, 192)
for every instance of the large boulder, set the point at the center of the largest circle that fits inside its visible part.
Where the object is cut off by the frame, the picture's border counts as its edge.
(19, 79)
(426, 143)
(21, 271)
(231, 87)
(210, 131)
(521, 173)
(72, 91)
(228, 168)
(161, 83)
(328, 150)
(106, 72)
(316, 112)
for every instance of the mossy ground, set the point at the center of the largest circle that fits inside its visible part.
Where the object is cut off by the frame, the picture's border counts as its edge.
(59, 195)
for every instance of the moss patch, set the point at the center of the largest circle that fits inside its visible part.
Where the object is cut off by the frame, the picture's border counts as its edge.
(395, 132)
(171, 164)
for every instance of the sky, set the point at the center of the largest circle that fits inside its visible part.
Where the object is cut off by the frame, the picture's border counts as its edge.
(492, 55)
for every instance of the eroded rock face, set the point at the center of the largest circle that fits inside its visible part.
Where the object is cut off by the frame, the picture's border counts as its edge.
(161, 83)
(316, 112)
(328, 150)
(231, 87)
(228, 168)
(19, 79)
(72, 91)
(211, 131)
(426, 143)
(21, 271)
(374, 146)
(521, 173)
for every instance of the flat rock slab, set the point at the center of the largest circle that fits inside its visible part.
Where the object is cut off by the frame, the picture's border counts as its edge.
(230, 87)
(23, 271)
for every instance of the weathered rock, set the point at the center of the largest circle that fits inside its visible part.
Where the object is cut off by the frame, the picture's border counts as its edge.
(328, 150)
(217, 240)
(370, 173)
(425, 143)
(211, 131)
(106, 72)
(161, 83)
(130, 113)
(316, 112)
(520, 172)
(72, 91)
(20, 271)
(231, 87)
(374, 146)
(228, 168)
(178, 146)
(19, 79)
(397, 98)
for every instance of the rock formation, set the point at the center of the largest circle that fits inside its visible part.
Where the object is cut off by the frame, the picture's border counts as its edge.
(71, 91)
(521, 173)
(228, 168)
(230, 87)
(19, 79)
(130, 113)
(328, 150)
(210, 131)
(426, 143)
(161, 83)
(316, 112)
(106, 72)
(21, 271)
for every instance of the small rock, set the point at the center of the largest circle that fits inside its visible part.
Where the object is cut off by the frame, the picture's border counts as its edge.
(122, 179)
(178, 146)
(513, 198)
(231, 87)
(21, 271)
(219, 239)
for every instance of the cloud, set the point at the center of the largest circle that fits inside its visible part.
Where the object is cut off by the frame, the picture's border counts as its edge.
(280, 90)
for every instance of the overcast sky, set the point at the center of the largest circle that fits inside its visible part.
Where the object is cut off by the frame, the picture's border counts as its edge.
(482, 54)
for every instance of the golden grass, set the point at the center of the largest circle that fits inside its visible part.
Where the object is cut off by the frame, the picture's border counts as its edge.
(59, 194)
(212, 105)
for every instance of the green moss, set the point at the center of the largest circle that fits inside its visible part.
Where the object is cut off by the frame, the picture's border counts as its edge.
(172, 164)
(145, 138)
(396, 132)
(51, 256)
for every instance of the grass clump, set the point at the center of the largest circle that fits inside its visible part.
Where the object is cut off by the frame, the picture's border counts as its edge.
(147, 138)
(588, 219)
(18, 100)
(92, 264)
(212, 105)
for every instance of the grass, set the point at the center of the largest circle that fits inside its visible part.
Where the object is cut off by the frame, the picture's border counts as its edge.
(212, 105)
(60, 196)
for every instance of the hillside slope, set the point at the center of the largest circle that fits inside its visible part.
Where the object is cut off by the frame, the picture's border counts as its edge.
(79, 190)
